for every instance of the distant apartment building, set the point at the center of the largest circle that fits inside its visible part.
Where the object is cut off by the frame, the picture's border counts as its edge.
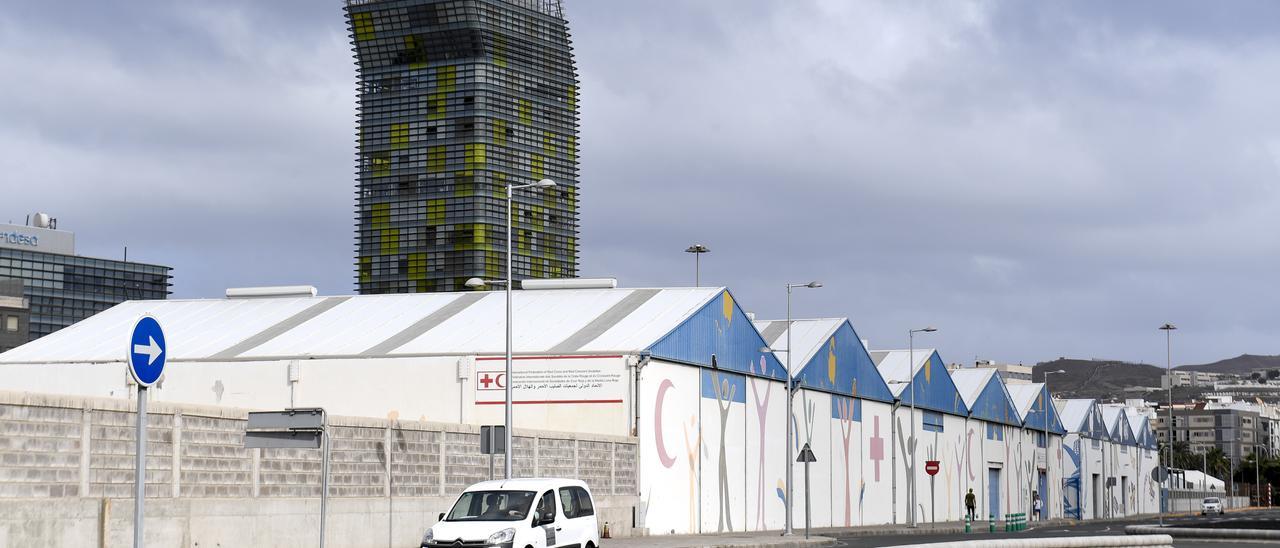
(1179, 378)
(56, 287)
(1237, 432)
(1011, 373)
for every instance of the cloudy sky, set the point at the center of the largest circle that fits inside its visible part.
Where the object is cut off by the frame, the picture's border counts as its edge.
(1035, 179)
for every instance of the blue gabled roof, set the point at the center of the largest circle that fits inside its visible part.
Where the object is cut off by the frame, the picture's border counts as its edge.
(1036, 414)
(934, 389)
(843, 366)
(1097, 428)
(994, 404)
(719, 329)
(1118, 423)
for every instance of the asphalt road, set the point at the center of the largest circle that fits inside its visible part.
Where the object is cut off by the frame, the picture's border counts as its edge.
(1243, 520)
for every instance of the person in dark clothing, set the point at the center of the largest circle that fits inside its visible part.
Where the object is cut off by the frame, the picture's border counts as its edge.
(970, 503)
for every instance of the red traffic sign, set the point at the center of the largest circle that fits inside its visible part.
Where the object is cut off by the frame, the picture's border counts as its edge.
(931, 467)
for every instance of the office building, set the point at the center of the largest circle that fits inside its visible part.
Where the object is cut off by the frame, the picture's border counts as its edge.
(15, 315)
(459, 99)
(59, 287)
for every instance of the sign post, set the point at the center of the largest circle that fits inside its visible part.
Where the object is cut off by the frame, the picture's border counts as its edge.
(295, 428)
(931, 468)
(806, 456)
(146, 358)
(493, 440)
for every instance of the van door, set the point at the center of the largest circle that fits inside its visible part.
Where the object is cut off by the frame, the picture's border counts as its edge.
(571, 534)
(579, 516)
(551, 526)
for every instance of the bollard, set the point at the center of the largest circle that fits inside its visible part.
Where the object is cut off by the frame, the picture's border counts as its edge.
(968, 526)
(1006, 523)
(991, 523)
(605, 534)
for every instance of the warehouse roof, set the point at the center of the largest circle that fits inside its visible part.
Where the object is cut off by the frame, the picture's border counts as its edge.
(1074, 412)
(560, 321)
(828, 356)
(893, 366)
(1032, 400)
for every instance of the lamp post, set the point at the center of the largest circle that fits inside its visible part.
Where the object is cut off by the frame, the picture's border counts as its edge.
(790, 409)
(911, 373)
(1047, 402)
(1257, 476)
(1168, 345)
(697, 250)
(479, 282)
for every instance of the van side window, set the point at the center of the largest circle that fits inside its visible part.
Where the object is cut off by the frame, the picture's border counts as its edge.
(547, 506)
(568, 502)
(582, 502)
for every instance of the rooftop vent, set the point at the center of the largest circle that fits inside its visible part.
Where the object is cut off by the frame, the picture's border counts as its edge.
(571, 283)
(272, 291)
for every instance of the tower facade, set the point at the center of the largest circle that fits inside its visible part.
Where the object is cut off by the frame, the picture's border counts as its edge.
(458, 99)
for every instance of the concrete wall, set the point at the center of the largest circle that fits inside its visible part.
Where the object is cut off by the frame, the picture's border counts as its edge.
(66, 476)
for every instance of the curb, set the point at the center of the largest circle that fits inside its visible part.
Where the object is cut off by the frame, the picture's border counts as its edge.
(772, 542)
(1201, 532)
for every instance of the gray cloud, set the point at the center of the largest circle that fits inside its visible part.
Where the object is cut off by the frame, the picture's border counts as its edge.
(1036, 180)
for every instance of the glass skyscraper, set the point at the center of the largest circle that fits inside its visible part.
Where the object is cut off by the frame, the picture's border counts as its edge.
(457, 100)
(61, 288)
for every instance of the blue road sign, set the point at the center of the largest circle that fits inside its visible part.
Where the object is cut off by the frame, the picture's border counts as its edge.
(147, 351)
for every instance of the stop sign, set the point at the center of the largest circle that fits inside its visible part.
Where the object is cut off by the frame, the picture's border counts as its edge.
(931, 467)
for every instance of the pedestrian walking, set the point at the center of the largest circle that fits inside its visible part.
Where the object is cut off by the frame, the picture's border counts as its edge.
(1036, 505)
(970, 503)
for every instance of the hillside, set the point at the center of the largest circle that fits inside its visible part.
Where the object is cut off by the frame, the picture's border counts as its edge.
(1104, 379)
(1242, 364)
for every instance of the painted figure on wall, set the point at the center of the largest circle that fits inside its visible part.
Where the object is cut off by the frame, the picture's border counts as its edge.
(908, 447)
(724, 402)
(1071, 498)
(692, 447)
(844, 408)
(762, 413)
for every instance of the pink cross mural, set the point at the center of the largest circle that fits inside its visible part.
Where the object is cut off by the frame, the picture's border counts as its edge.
(877, 447)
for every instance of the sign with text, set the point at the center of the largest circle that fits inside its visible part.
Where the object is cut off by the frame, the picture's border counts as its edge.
(552, 380)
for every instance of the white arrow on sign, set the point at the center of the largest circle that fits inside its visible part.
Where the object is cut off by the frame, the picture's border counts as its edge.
(151, 350)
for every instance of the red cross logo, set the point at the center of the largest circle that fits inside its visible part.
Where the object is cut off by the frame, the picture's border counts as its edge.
(492, 381)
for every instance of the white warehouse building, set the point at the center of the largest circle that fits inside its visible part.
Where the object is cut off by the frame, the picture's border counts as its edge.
(683, 372)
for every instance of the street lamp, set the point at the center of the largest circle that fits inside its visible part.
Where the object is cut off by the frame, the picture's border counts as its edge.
(697, 250)
(475, 283)
(790, 408)
(911, 373)
(1168, 346)
(1047, 402)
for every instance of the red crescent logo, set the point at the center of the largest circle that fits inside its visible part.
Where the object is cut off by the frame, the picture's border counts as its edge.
(667, 460)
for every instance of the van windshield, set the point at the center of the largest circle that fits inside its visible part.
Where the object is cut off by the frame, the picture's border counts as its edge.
(492, 506)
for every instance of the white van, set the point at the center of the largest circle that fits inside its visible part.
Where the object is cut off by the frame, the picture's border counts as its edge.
(519, 513)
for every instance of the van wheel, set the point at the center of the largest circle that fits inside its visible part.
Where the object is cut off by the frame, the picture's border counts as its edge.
(590, 545)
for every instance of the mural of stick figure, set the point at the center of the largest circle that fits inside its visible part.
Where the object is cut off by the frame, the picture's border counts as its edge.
(691, 447)
(762, 412)
(909, 452)
(724, 401)
(844, 406)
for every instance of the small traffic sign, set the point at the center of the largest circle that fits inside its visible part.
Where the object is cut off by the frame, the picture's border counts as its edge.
(931, 467)
(1159, 473)
(147, 354)
(806, 455)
